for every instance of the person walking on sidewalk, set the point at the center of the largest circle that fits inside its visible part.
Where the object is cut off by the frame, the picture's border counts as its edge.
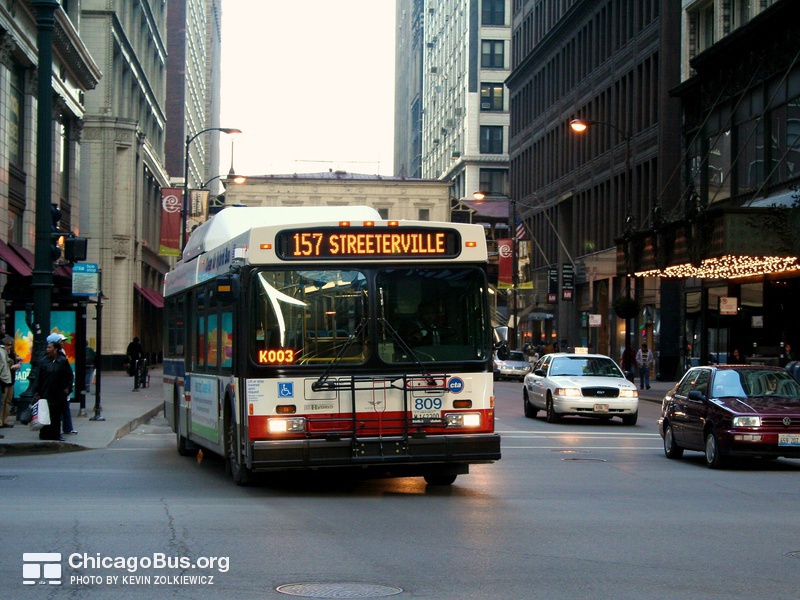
(53, 382)
(644, 360)
(135, 354)
(66, 412)
(7, 357)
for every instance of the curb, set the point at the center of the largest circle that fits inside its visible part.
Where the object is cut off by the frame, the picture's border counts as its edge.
(130, 426)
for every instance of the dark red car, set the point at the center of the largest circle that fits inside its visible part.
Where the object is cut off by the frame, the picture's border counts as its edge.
(732, 410)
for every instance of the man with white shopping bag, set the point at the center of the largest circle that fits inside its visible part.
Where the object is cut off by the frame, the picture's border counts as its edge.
(53, 382)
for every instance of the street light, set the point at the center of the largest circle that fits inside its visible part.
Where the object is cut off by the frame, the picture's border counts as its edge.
(580, 126)
(185, 200)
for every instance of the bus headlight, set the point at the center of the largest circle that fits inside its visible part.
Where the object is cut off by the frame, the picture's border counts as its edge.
(292, 425)
(463, 419)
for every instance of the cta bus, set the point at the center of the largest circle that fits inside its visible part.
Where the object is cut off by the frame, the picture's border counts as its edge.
(314, 338)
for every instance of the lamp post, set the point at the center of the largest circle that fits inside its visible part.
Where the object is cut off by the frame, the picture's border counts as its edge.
(185, 199)
(580, 126)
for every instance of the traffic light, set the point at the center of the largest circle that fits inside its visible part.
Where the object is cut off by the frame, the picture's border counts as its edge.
(55, 219)
(75, 249)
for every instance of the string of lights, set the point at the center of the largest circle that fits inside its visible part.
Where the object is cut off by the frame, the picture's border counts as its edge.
(727, 267)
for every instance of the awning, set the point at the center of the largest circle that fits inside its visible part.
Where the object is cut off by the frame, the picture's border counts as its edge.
(14, 260)
(152, 296)
(493, 209)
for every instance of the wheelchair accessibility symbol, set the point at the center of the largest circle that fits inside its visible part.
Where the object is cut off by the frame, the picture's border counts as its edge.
(286, 389)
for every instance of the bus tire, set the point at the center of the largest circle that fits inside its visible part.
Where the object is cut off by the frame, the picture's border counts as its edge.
(240, 474)
(440, 478)
(185, 447)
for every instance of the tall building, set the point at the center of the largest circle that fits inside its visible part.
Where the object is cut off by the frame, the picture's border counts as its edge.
(122, 166)
(451, 106)
(732, 242)
(611, 63)
(75, 74)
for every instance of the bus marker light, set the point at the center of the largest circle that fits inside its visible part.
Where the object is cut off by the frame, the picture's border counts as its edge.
(250, 408)
(295, 425)
(471, 244)
(286, 409)
(393, 223)
(369, 223)
(344, 223)
(462, 404)
(265, 246)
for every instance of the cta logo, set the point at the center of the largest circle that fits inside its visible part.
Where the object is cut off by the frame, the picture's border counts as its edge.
(455, 385)
(41, 568)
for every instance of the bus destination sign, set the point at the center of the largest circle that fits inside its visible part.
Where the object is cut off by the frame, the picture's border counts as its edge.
(367, 242)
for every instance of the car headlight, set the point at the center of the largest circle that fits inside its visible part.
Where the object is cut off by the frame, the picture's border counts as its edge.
(629, 393)
(463, 419)
(291, 425)
(573, 392)
(747, 421)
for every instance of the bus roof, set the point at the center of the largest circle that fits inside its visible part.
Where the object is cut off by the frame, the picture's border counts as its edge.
(235, 220)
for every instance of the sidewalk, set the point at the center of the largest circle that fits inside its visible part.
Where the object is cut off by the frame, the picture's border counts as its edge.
(122, 409)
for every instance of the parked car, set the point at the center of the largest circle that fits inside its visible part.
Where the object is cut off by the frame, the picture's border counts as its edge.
(732, 410)
(588, 385)
(516, 366)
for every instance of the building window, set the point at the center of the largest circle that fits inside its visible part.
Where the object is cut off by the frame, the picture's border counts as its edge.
(491, 139)
(703, 21)
(493, 54)
(424, 214)
(491, 96)
(384, 213)
(740, 13)
(493, 181)
(493, 12)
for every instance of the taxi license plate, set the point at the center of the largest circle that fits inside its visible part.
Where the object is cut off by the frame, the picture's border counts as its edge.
(789, 439)
(601, 408)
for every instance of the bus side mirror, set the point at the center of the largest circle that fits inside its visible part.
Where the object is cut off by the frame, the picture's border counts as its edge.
(502, 351)
(228, 287)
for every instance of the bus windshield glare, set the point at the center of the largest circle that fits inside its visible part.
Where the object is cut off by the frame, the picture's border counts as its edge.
(395, 315)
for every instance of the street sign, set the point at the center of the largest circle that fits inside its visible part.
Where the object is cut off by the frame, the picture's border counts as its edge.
(85, 279)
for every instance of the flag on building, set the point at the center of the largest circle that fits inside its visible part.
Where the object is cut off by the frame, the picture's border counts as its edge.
(521, 231)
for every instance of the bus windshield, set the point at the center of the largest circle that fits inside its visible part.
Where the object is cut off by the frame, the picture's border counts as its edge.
(313, 317)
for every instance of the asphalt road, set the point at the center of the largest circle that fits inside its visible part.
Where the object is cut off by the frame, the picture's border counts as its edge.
(573, 510)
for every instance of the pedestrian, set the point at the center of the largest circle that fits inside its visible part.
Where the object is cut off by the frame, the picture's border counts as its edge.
(736, 357)
(135, 354)
(644, 360)
(788, 355)
(53, 383)
(7, 357)
(66, 412)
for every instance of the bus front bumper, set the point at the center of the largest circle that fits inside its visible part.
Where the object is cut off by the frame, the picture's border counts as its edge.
(386, 451)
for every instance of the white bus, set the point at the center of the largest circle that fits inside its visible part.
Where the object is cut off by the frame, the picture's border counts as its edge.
(325, 337)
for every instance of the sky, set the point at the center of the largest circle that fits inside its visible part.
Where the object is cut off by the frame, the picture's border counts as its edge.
(310, 84)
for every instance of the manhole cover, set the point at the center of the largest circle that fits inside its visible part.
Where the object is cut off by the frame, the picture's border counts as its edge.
(793, 554)
(338, 590)
(586, 459)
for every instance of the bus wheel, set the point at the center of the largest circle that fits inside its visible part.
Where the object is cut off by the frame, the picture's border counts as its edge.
(185, 447)
(240, 474)
(440, 479)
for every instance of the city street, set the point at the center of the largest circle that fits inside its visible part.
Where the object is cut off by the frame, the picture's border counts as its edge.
(579, 509)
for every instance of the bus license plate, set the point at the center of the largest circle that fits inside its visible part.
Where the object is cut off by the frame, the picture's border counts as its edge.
(789, 439)
(421, 417)
(601, 408)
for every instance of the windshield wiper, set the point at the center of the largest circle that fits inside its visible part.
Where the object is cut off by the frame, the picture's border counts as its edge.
(321, 383)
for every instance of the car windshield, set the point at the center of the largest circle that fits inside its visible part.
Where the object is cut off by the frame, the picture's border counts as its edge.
(588, 366)
(754, 383)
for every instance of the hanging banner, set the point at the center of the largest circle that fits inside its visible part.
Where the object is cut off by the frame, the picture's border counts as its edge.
(171, 200)
(567, 281)
(552, 285)
(505, 264)
(524, 265)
